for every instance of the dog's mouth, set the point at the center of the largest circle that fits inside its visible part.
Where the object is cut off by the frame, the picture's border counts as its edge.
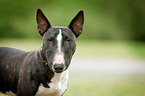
(58, 71)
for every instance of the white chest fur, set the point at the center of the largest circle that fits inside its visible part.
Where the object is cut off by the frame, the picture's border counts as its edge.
(58, 85)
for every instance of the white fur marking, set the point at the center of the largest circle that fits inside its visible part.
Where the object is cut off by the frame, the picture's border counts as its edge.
(59, 55)
(59, 39)
(58, 85)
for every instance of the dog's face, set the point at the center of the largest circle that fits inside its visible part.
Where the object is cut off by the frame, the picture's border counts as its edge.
(59, 42)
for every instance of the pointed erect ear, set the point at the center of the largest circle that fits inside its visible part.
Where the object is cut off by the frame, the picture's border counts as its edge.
(42, 22)
(77, 23)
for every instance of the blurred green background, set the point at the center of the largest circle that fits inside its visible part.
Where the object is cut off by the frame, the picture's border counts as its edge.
(114, 30)
(109, 20)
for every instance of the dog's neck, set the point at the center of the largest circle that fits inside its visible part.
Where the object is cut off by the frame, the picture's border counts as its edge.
(43, 57)
(40, 57)
(43, 67)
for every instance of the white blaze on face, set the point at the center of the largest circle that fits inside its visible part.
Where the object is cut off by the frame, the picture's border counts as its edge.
(59, 40)
(59, 55)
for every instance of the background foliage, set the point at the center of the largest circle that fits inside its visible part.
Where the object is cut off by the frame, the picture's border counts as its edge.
(109, 20)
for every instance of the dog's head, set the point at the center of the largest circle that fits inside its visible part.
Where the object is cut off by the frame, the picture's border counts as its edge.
(59, 42)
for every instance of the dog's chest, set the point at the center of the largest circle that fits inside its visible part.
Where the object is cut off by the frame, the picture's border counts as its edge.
(58, 85)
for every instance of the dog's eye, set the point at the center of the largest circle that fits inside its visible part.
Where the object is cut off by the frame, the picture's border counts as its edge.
(68, 40)
(50, 39)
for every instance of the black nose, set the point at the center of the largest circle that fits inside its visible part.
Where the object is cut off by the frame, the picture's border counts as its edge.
(58, 68)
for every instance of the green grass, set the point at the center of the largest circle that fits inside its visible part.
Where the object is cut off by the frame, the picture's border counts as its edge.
(105, 88)
(3, 94)
(111, 49)
(83, 86)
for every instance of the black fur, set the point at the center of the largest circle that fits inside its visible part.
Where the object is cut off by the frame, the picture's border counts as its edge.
(22, 72)
(23, 69)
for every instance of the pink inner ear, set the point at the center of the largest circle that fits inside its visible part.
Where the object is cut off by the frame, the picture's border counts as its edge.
(77, 23)
(42, 26)
(77, 28)
(42, 22)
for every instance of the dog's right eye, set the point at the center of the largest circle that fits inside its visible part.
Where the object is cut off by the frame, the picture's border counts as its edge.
(50, 39)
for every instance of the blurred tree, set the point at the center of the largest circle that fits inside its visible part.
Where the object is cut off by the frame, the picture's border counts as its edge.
(113, 19)
(137, 23)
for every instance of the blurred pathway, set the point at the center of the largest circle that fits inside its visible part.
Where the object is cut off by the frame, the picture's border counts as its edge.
(107, 67)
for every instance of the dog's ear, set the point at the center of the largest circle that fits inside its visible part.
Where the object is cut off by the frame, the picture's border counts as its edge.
(77, 23)
(42, 22)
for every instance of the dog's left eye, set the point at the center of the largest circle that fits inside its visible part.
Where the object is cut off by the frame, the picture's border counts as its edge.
(50, 39)
(68, 40)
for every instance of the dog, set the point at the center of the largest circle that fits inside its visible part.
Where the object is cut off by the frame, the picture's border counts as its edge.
(43, 72)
